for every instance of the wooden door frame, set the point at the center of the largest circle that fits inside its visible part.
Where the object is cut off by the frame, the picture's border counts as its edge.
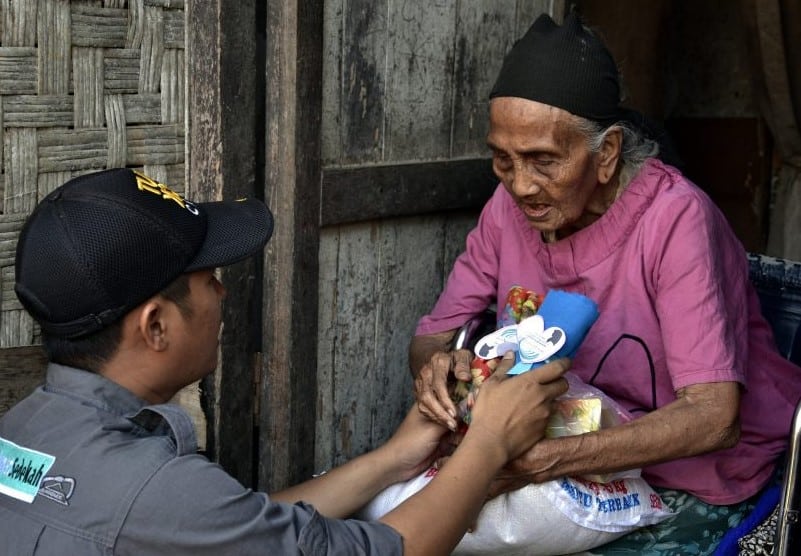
(293, 113)
(224, 129)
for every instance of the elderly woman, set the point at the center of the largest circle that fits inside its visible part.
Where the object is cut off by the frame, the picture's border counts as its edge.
(584, 205)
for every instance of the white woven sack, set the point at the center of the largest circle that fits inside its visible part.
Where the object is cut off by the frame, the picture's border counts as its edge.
(544, 519)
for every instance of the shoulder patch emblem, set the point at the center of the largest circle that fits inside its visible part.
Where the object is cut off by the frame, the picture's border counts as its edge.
(22, 470)
(58, 489)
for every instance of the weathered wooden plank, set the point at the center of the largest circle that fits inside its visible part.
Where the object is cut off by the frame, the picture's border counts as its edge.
(354, 362)
(327, 338)
(293, 84)
(407, 266)
(419, 95)
(375, 283)
(355, 83)
(221, 60)
(456, 228)
(176, 176)
(478, 60)
(23, 370)
(331, 125)
(371, 192)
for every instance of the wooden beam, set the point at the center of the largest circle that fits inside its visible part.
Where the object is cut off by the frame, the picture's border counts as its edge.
(293, 62)
(376, 192)
(224, 132)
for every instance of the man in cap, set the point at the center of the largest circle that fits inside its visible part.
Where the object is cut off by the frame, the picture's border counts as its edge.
(119, 272)
(586, 205)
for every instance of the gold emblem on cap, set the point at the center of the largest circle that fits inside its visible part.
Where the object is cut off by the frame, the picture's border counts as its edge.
(145, 183)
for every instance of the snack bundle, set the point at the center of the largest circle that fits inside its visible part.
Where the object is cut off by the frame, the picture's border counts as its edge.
(520, 304)
(577, 412)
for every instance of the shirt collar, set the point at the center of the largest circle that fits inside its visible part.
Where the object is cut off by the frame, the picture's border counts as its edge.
(92, 389)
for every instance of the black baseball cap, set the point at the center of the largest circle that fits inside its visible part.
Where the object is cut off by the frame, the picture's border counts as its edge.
(103, 243)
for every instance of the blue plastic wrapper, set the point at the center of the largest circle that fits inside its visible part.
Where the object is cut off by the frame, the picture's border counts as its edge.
(573, 313)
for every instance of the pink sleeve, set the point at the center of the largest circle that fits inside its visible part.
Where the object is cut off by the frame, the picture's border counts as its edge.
(701, 279)
(472, 283)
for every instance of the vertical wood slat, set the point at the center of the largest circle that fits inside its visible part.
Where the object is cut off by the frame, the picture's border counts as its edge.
(326, 439)
(353, 95)
(223, 139)
(88, 86)
(115, 123)
(387, 275)
(293, 96)
(21, 166)
(477, 62)
(152, 51)
(353, 385)
(53, 52)
(419, 81)
(19, 23)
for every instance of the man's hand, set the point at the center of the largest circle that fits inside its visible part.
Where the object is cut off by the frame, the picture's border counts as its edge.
(414, 445)
(515, 410)
(431, 385)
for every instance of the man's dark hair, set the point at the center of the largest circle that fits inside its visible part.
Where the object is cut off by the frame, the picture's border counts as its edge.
(93, 351)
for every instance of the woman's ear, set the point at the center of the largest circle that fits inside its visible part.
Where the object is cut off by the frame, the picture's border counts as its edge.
(153, 325)
(609, 154)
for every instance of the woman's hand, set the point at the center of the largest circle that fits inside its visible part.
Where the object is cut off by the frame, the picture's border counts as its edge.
(431, 385)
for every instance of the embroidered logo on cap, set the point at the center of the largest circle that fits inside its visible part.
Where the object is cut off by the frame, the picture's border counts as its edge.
(150, 185)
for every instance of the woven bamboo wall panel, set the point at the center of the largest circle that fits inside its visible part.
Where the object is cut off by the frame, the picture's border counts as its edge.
(84, 86)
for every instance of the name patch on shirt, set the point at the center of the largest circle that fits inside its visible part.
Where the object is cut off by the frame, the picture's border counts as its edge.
(22, 470)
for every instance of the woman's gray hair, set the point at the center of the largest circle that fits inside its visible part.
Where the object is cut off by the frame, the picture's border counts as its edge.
(635, 149)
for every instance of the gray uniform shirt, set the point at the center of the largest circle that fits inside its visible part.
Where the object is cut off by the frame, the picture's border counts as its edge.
(126, 479)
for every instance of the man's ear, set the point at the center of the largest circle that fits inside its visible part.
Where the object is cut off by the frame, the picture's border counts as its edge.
(609, 154)
(152, 324)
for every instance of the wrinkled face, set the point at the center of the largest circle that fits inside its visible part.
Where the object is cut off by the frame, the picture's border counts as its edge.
(545, 164)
